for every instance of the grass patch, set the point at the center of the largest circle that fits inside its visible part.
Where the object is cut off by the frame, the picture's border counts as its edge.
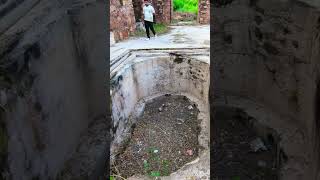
(155, 166)
(159, 28)
(190, 6)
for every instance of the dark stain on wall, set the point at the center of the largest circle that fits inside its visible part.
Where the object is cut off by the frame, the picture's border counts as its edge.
(115, 82)
(295, 44)
(317, 124)
(318, 23)
(194, 77)
(221, 3)
(286, 31)
(258, 19)
(270, 48)
(177, 58)
(253, 2)
(37, 107)
(3, 143)
(258, 34)
(283, 42)
(33, 50)
(228, 38)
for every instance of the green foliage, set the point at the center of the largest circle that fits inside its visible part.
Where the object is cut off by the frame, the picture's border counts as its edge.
(155, 174)
(159, 28)
(190, 6)
(165, 165)
(155, 166)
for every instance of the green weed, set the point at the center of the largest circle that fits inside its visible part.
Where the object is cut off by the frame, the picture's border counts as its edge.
(154, 166)
(159, 28)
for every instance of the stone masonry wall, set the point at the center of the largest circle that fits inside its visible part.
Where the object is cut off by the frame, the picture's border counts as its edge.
(122, 19)
(51, 80)
(163, 10)
(266, 50)
(183, 16)
(142, 78)
(204, 12)
(137, 7)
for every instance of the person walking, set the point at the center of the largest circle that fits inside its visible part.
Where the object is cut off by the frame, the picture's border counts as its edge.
(148, 18)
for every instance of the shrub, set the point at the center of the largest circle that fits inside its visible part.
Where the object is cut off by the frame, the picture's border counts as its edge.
(190, 6)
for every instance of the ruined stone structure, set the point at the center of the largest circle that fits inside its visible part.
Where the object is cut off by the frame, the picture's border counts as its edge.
(182, 16)
(122, 18)
(204, 12)
(124, 14)
(137, 7)
(267, 52)
(53, 57)
(265, 60)
(163, 10)
(139, 76)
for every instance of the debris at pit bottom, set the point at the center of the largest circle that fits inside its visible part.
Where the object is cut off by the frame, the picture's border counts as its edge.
(257, 144)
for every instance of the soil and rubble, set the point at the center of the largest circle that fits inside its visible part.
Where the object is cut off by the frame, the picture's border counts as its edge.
(164, 138)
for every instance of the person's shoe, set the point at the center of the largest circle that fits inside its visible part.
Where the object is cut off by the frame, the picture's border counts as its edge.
(147, 39)
(155, 36)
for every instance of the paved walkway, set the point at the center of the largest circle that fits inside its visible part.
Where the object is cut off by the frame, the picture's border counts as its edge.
(178, 37)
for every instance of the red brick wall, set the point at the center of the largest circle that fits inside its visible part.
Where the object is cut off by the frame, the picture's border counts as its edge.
(204, 12)
(122, 19)
(163, 10)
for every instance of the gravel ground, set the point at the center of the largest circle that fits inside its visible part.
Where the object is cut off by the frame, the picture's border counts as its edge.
(163, 140)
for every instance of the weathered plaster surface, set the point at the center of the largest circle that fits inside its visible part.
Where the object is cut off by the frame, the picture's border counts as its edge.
(52, 59)
(266, 51)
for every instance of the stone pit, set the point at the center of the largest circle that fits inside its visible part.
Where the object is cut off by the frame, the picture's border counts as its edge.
(139, 76)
